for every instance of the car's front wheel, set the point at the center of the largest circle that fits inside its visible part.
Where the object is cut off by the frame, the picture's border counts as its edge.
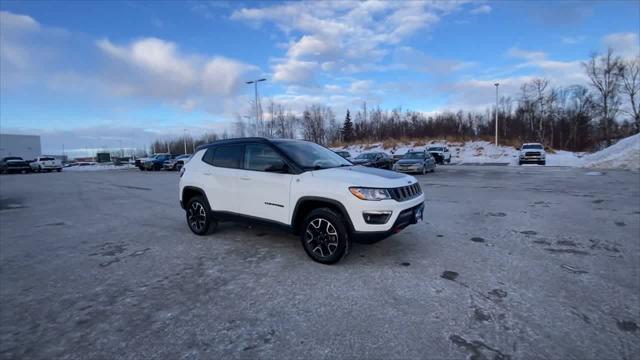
(199, 217)
(324, 236)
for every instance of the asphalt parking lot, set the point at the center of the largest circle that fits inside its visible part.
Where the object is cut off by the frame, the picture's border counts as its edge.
(511, 263)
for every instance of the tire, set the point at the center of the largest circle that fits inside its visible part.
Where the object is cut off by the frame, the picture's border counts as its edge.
(59, 170)
(543, 163)
(324, 230)
(157, 167)
(520, 163)
(199, 218)
(424, 169)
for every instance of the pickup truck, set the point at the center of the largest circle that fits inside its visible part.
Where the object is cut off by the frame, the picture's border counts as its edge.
(532, 153)
(46, 163)
(11, 164)
(441, 153)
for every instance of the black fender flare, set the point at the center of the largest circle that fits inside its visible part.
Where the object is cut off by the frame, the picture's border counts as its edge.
(196, 190)
(336, 203)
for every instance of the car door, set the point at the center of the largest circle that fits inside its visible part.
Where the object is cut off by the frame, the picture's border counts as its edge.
(265, 184)
(379, 161)
(220, 174)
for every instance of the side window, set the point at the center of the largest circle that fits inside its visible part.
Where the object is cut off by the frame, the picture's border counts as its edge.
(224, 156)
(261, 157)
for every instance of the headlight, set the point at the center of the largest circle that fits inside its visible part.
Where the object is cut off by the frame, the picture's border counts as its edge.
(370, 194)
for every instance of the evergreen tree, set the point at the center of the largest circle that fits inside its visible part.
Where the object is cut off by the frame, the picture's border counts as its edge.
(347, 128)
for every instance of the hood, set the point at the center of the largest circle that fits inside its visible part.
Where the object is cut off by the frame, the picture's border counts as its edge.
(409, 161)
(365, 176)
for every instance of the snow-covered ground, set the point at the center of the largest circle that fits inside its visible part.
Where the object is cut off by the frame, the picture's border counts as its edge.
(99, 167)
(625, 154)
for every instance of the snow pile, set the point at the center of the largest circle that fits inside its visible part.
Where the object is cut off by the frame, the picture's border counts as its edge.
(99, 167)
(624, 154)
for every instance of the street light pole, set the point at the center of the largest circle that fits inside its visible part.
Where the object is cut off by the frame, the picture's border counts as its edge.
(497, 85)
(185, 141)
(255, 87)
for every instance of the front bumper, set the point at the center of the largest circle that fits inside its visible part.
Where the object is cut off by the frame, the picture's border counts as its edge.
(356, 207)
(532, 159)
(404, 218)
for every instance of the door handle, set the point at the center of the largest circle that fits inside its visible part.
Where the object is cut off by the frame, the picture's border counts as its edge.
(245, 178)
(207, 173)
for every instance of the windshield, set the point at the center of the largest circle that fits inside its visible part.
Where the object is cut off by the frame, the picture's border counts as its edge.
(414, 155)
(532, 146)
(435, 149)
(366, 156)
(309, 155)
(12, 158)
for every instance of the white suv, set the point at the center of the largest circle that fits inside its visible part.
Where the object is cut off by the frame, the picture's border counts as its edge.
(301, 186)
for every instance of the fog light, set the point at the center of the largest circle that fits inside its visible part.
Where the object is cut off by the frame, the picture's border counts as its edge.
(376, 217)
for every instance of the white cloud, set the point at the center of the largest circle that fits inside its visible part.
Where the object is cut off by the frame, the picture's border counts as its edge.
(625, 44)
(16, 22)
(343, 36)
(155, 68)
(572, 40)
(294, 71)
(313, 46)
(482, 9)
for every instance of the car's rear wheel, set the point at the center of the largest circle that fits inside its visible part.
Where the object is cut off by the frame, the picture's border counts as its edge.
(324, 236)
(199, 217)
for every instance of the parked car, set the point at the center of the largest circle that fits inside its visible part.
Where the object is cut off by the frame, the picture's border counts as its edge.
(532, 153)
(374, 159)
(298, 185)
(415, 162)
(13, 164)
(344, 154)
(155, 163)
(440, 153)
(46, 163)
(176, 163)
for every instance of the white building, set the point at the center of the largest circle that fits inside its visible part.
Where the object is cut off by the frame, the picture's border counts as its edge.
(24, 146)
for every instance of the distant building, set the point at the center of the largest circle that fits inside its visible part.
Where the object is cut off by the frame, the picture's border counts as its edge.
(24, 146)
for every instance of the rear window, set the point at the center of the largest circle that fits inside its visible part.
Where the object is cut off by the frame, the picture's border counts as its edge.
(46, 159)
(224, 156)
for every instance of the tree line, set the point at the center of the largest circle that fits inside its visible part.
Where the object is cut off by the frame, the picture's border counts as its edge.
(576, 117)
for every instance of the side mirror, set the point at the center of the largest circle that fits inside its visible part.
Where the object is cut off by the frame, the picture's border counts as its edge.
(278, 167)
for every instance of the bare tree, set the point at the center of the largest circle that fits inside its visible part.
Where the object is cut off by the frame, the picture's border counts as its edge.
(631, 88)
(605, 75)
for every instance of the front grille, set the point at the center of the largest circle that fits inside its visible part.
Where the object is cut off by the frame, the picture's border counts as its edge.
(529, 153)
(406, 192)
